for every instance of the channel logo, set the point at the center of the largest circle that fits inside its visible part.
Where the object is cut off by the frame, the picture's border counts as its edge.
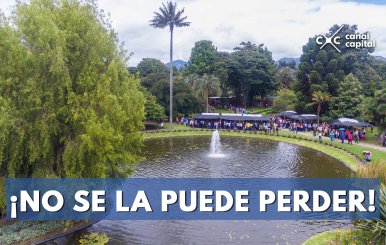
(356, 41)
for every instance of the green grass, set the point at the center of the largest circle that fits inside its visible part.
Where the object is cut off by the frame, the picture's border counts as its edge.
(345, 236)
(370, 137)
(176, 126)
(327, 237)
(260, 110)
(354, 148)
(357, 150)
(321, 238)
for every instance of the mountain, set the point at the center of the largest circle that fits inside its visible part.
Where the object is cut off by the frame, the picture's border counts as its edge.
(381, 58)
(178, 64)
(287, 60)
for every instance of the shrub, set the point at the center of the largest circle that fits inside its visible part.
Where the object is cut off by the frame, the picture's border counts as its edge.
(94, 239)
(376, 169)
(2, 196)
(356, 236)
(376, 228)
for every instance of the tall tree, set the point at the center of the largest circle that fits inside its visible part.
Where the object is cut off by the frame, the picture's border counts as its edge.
(184, 99)
(350, 97)
(319, 98)
(208, 84)
(285, 78)
(221, 70)
(69, 107)
(202, 57)
(251, 72)
(374, 108)
(192, 79)
(153, 110)
(151, 71)
(150, 65)
(170, 17)
(322, 69)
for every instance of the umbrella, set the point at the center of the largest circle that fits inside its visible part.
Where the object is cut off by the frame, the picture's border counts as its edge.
(342, 129)
(364, 124)
(287, 113)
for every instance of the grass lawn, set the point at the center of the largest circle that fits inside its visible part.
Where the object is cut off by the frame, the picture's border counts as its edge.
(176, 126)
(260, 110)
(370, 137)
(323, 238)
(377, 155)
(354, 148)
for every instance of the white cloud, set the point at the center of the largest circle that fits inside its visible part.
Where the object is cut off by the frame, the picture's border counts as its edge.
(283, 26)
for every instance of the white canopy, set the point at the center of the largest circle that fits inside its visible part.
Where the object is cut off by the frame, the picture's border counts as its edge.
(343, 119)
(210, 114)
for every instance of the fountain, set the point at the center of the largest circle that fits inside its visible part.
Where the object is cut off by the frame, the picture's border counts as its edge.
(190, 157)
(215, 145)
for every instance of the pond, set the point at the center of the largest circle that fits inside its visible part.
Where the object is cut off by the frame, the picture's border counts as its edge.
(241, 157)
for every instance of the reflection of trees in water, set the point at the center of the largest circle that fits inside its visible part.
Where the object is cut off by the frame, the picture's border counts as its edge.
(244, 157)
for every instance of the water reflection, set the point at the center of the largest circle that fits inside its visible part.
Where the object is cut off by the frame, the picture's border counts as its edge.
(245, 157)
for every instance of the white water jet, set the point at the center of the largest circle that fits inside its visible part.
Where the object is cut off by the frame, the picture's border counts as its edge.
(215, 145)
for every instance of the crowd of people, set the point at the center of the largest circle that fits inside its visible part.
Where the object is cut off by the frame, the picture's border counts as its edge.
(275, 123)
(237, 109)
(350, 134)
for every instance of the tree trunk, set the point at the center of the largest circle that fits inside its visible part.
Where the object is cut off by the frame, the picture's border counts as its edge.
(318, 111)
(207, 102)
(171, 79)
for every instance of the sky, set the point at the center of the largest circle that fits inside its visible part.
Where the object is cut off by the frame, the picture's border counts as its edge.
(284, 26)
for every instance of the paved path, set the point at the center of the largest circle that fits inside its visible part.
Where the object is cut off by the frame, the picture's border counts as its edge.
(377, 147)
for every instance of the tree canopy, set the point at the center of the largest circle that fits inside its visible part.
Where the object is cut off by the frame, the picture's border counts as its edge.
(69, 106)
(347, 102)
(153, 110)
(285, 100)
(202, 57)
(184, 100)
(251, 72)
(323, 69)
(150, 66)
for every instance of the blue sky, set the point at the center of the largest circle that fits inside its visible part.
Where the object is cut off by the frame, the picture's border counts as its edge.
(284, 26)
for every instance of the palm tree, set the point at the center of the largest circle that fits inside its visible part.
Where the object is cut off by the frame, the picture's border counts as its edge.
(192, 79)
(207, 84)
(170, 17)
(318, 98)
